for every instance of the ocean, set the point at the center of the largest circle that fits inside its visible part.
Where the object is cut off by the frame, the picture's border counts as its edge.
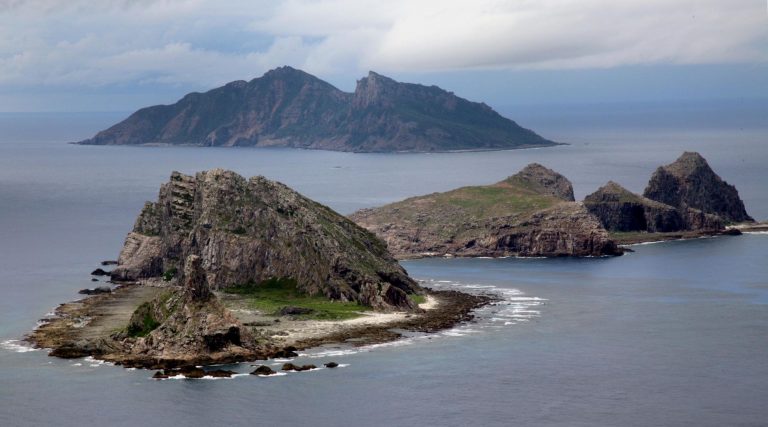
(674, 333)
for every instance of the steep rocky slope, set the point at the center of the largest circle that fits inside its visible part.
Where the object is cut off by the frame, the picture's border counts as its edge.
(524, 215)
(252, 230)
(288, 107)
(618, 209)
(690, 182)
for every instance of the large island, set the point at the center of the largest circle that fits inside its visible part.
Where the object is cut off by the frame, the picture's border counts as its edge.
(287, 107)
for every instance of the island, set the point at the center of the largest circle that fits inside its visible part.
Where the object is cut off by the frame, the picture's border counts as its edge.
(225, 269)
(287, 107)
(533, 214)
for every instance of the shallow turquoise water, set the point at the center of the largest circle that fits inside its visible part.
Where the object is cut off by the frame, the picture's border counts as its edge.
(673, 334)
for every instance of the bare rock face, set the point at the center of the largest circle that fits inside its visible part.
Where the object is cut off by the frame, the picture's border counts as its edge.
(290, 108)
(184, 324)
(618, 209)
(248, 231)
(524, 215)
(690, 183)
(545, 181)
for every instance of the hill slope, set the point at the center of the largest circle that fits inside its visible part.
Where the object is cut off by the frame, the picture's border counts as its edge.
(256, 230)
(527, 214)
(290, 108)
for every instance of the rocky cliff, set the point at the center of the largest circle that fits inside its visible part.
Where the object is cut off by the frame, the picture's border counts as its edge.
(288, 107)
(184, 325)
(690, 183)
(618, 209)
(247, 231)
(524, 215)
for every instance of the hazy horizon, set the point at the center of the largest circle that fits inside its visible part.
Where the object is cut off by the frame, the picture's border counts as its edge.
(124, 55)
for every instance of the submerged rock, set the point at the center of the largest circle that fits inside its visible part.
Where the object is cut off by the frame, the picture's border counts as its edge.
(96, 290)
(251, 231)
(331, 365)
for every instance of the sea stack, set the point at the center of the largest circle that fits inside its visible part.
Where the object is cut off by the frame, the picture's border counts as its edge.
(690, 183)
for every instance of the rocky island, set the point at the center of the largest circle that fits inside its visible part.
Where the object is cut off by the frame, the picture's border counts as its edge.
(683, 199)
(226, 269)
(287, 107)
(532, 213)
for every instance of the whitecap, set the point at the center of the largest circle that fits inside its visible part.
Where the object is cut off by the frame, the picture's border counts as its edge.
(17, 346)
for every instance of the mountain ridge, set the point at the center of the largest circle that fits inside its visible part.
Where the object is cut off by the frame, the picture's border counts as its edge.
(291, 108)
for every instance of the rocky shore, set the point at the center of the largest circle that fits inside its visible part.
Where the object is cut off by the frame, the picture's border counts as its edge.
(94, 326)
(224, 269)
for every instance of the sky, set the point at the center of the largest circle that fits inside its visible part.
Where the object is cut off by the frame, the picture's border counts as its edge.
(84, 55)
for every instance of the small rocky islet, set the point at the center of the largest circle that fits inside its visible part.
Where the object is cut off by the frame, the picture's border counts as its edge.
(224, 269)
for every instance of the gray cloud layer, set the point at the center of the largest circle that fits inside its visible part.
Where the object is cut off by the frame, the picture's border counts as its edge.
(81, 42)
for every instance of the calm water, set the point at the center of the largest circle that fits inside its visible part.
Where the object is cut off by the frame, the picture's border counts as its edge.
(673, 334)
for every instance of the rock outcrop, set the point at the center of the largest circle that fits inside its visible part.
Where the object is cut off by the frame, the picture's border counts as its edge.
(248, 231)
(545, 181)
(690, 183)
(523, 215)
(288, 107)
(686, 196)
(618, 209)
(187, 324)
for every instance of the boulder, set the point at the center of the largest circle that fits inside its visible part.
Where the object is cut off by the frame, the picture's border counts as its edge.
(263, 370)
(331, 365)
(100, 272)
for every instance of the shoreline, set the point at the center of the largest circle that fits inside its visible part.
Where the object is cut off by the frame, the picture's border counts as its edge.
(83, 328)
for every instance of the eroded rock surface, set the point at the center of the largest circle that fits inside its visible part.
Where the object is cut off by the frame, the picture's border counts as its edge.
(526, 214)
(251, 230)
(690, 183)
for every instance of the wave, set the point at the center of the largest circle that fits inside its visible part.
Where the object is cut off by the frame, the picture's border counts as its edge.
(17, 346)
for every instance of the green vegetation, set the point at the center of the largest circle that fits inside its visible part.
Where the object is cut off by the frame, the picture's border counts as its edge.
(146, 322)
(271, 295)
(170, 274)
(418, 299)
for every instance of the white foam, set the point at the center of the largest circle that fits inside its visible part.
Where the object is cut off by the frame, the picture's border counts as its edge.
(276, 374)
(330, 353)
(17, 346)
(755, 232)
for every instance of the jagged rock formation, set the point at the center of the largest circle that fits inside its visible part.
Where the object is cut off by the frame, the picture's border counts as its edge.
(690, 183)
(288, 107)
(187, 324)
(618, 209)
(523, 215)
(686, 195)
(250, 231)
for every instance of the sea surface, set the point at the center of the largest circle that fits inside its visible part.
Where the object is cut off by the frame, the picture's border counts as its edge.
(673, 334)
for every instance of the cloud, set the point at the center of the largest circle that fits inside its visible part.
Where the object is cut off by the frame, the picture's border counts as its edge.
(198, 42)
